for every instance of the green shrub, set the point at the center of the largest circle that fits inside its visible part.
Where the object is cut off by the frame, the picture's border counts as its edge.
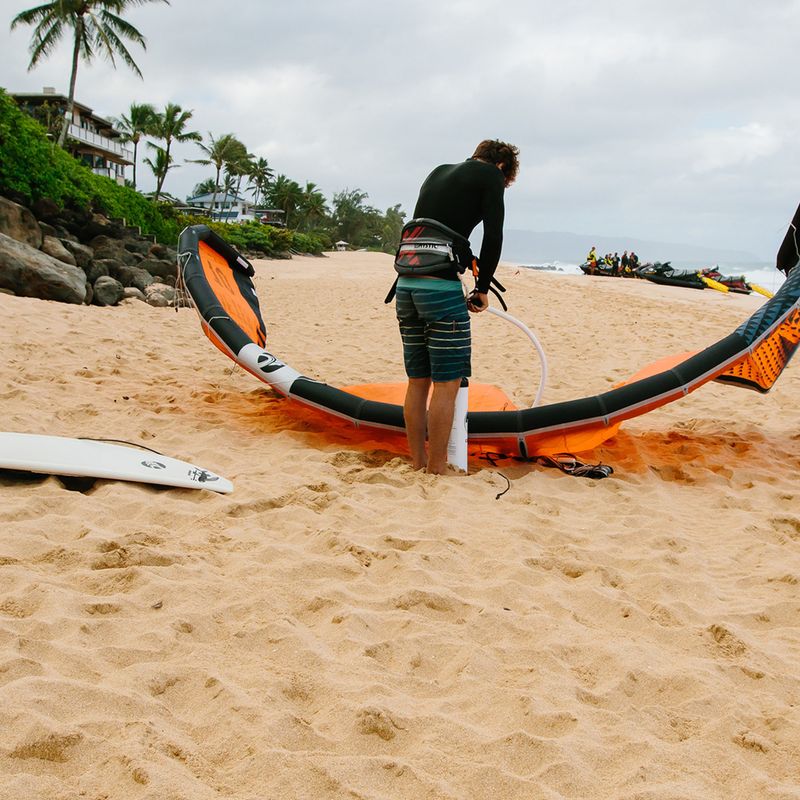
(249, 237)
(307, 243)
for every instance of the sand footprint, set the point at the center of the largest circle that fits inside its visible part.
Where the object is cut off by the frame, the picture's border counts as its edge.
(729, 645)
(50, 746)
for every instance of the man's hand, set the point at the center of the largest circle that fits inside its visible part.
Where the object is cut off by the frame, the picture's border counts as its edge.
(477, 301)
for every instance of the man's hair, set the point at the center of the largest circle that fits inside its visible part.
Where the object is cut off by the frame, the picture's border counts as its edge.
(497, 152)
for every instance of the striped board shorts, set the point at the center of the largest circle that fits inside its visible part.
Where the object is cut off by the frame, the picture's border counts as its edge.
(435, 328)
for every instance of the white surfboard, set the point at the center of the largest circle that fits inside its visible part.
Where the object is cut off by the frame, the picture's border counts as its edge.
(59, 455)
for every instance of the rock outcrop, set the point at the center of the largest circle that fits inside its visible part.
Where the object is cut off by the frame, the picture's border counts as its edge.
(159, 294)
(107, 291)
(80, 257)
(29, 272)
(19, 223)
(55, 248)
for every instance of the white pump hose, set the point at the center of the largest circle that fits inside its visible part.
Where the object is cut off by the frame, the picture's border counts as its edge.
(529, 333)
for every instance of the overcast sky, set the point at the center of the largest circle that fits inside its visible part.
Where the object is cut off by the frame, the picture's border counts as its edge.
(671, 121)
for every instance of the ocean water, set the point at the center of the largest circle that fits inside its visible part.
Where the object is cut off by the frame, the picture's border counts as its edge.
(762, 274)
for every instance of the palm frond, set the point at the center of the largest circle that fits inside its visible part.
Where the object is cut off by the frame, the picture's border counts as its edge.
(123, 28)
(97, 35)
(43, 45)
(33, 15)
(121, 51)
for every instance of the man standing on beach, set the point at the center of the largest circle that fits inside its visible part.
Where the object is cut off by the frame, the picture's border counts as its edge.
(431, 309)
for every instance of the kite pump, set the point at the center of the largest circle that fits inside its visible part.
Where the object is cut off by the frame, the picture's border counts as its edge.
(457, 455)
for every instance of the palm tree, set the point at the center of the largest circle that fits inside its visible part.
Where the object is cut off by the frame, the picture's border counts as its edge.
(260, 177)
(221, 152)
(160, 167)
(240, 165)
(170, 127)
(96, 26)
(139, 122)
(208, 186)
(286, 194)
(312, 205)
(350, 214)
(229, 187)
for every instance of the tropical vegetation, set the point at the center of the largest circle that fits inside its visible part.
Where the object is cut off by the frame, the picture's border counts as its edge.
(221, 152)
(139, 121)
(168, 126)
(33, 168)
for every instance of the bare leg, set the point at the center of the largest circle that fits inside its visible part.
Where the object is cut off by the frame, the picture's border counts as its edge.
(415, 414)
(440, 422)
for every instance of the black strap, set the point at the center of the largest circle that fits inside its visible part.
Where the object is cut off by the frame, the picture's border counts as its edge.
(392, 291)
(499, 297)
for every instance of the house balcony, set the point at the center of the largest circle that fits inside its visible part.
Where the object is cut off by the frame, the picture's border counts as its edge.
(101, 143)
(107, 172)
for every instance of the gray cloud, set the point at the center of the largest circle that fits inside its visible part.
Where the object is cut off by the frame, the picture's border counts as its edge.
(664, 121)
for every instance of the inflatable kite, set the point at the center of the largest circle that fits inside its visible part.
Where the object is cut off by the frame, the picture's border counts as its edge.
(219, 282)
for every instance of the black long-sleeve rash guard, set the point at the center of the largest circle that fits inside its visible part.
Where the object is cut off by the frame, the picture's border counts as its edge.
(788, 253)
(462, 195)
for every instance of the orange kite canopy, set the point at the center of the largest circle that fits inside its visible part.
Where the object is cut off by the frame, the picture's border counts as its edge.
(219, 281)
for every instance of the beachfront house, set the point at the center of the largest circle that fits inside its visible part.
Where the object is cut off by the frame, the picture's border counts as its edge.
(234, 208)
(90, 138)
(227, 207)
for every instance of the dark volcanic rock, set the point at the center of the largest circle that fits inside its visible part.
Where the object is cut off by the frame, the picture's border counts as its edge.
(107, 247)
(46, 210)
(83, 254)
(101, 266)
(29, 272)
(19, 223)
(99, 225)
(71, 220)
(133, 276)
(159, 268)
(53, 247)
(90, 243)
(139, 246)
(63, 234)
(107, 291)
(162, 251)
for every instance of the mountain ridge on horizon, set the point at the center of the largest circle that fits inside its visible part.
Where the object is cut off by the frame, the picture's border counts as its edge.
(524, 246)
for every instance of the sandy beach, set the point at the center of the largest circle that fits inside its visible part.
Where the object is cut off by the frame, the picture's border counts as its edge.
(341, 626)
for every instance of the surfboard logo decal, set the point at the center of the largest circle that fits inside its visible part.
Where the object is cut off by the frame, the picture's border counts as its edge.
(154, 465)
(202, 475)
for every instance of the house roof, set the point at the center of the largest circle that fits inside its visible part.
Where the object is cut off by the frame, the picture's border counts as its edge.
(49, 96)
(221, 197)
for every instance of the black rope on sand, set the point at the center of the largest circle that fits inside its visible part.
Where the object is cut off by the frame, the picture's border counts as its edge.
(566, 462)
(121, 441)
(498, 496)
